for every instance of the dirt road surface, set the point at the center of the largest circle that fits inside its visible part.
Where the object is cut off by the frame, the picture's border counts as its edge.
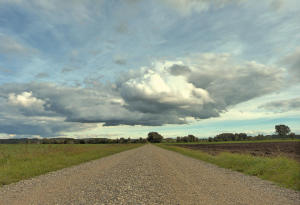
(146, 175)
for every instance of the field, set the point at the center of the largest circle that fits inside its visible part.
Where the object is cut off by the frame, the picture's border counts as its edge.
(243, 157)
(23, 161)
(270, 149)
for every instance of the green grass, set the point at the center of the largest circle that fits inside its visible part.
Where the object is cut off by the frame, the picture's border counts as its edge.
(230, 142)
(281, 170)
(23, 161)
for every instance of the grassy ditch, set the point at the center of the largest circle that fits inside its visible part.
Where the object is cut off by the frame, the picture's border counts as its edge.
(281, 170)
(23, 161)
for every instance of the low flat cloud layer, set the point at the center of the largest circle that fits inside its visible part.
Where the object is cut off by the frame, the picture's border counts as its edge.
(282, 105)
(168, 92)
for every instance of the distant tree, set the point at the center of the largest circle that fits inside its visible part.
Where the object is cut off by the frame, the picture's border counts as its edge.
(242, 136)
(225, 137)
(154, 137)
(282, 130)
(292, 135)
(82, 141)
(192, 138)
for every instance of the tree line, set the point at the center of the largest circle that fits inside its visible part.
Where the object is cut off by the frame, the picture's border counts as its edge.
(282, 132)
(72, 141)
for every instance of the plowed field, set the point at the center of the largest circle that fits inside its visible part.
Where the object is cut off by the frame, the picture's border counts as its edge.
(288, 149)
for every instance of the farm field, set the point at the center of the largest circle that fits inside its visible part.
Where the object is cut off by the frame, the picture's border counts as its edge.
(271, 161)
(23, 161)
(290, 149)
(237, 142)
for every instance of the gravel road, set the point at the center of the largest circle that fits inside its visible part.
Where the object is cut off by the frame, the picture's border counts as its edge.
(146, 175)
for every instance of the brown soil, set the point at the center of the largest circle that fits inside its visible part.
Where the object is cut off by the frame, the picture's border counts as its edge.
(288, 149)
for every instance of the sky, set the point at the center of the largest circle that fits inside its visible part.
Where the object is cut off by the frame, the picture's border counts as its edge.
(123, 68)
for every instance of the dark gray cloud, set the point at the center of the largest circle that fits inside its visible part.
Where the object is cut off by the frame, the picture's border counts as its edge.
(48, 110)
(179, 69)
(166, 93)
(120, 61)
(42, 75)
(230, 86)
(282, 105)
(69, 69)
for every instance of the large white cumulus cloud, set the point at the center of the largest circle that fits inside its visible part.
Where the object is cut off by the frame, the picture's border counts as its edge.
(167, 92)
(156, 90)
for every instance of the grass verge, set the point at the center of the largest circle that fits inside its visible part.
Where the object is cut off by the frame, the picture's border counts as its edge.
(281, 170)
(23, 161)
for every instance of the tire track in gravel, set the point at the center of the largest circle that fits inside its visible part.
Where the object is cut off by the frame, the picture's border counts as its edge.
(146, 175)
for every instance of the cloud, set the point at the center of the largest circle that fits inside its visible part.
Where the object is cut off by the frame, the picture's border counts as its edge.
(69, 69)
(59, 11)
(22, 113)
(10, 46)
(277, 4)
(37, 126)
(201, 87)
(292, 61)
(177, 69)
(122, 28)
(42, 75)
(167, 92)
(25, 99)
(186, 7)
(120, 60)
(26, 105)
(230, 82)
(155, 90)
(4, 70)
(282, 105)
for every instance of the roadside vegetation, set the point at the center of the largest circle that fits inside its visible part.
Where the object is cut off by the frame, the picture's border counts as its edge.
(281, 170)
(23, 161)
